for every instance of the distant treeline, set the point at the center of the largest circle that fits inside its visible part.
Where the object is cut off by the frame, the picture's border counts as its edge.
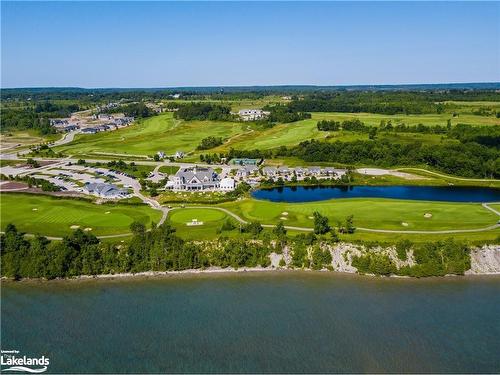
(484, 135)
(204, 111)
(35, 117)
(137, 110)
(388, 103)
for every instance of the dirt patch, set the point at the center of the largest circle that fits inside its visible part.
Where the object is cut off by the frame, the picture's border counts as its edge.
(13, 185)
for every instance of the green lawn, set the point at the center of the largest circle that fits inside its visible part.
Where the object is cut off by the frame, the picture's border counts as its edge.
(51, 216)
(369, 213)
(212, 222)
(146, 137)
(164, 133)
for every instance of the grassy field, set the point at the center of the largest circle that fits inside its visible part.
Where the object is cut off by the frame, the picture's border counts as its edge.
(146, 137)
(19, 140)
(164, 133)
(212, 222)
(426, 119)
(51, 216)
(369, 213)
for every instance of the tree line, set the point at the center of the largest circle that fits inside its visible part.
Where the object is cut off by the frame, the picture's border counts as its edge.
(462, 159)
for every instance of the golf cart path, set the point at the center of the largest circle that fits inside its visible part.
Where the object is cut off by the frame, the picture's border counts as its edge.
(305, 229)
(446, 176)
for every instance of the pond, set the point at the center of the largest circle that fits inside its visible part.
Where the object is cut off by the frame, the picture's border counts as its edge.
(428, 193)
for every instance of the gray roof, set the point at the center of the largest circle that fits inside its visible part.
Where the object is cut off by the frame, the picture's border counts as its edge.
(104, 189)
(269, 170)
(201, 173)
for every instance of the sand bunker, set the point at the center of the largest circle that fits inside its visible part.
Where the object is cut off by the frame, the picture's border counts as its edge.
(74, 227)
(284, 213)
(87, 229)
(428, 215)
(404, 224)
(35, 209)
(107, 212)
(283, 218)
(311, 217)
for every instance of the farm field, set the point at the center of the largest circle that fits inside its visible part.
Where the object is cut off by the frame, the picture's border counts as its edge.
(369, 213)
(49, 216)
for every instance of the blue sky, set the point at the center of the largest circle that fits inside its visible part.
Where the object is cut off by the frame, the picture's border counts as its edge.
(160, 44)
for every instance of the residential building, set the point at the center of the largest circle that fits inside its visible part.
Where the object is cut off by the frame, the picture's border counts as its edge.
(314, 171)
(227, 184)
(89, 131)
(270, 171)
(252, 114)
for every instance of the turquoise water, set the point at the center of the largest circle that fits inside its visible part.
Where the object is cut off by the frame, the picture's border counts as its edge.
(282, 322)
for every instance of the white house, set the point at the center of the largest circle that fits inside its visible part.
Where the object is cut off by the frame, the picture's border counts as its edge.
(227, 184)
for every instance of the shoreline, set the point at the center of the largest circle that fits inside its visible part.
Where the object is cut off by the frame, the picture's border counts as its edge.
(215, 271)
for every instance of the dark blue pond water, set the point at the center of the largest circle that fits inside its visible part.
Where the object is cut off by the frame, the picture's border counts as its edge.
(427, 193)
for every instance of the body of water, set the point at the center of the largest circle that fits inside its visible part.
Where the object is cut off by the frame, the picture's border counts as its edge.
(280, 322)
(428, 193)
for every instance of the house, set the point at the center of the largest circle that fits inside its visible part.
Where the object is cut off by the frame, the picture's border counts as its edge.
(299, 171)
(104, 116)
(179, 154)
(269, 171)
(89, 131)
(194, 178)
(329, 171)
(227, 184)
(102, 128)
(161, 154)
(314, 171)
(283, 170)
(105, 190)
(247, 170)
(252, 114)
(70, 128)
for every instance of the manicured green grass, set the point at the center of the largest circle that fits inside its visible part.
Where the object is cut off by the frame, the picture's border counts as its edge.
(164, 133)
(369, 213)
(212, 222)
(146, 137)
(51, 216)
(169, 169)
